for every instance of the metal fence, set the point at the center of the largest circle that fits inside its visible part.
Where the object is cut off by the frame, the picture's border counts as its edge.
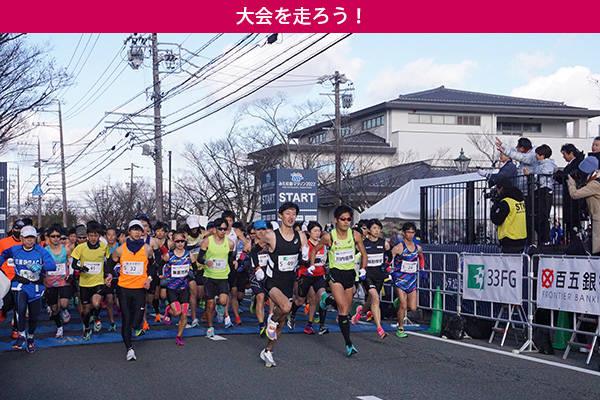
(445, 274)
(459, 213)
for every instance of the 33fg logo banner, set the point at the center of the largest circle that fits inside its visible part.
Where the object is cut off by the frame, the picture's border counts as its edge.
(493, 278)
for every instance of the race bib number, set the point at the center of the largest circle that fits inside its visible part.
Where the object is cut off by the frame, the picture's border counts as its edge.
(263, 259)
(320, 259)
(10, 262)
(287, 263)
(133, 267)
(179, 271)
(344, 256)
(219, 263)
(94, 267)
(30, 275)
(61, 269)
(409, 267)
(374, 260)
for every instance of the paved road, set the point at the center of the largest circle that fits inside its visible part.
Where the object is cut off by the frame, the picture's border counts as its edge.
(308, 367)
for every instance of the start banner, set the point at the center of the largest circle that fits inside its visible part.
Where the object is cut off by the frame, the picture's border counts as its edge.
(493, 278)
(568, 284)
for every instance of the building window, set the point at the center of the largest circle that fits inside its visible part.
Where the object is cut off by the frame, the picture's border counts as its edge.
(345, 131)
(318, 138)
(439, 119)
(517, 129)
(373, 122)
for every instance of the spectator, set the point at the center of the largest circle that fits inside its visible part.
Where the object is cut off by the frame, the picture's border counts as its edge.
(590, 191)
(508, 170)
(596, 148)
(543, 171)
(523, 154)
(556, 233)
(573, 210)
(509, 215)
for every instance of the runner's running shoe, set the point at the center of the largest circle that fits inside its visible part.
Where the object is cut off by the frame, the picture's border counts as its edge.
(145, 326)
(369, 316)
(19, 343)
(59, 332)
(263, 331)
(267, 357)
(66, 317)
(210, 332)
(356, 317)
(30, 346)
(139, 332)
(2, 316)
(157, 318)
(238, 320)
(97, 325)
(350, 350)
(14, 334)
(227, 321)
(179, 341)
(317, 319)
(271, 329)
(167, 320)
(323, 330)
(252, 304)
(322, 303)
(309, 330)
(400, 333)
(112, 327)
(195, 323)
(291, 322)
(87, 334)
(220, 313)
(202, 304)
(130, 355)
(382, 333)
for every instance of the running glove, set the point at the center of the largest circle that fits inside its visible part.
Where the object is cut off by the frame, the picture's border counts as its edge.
(422, 274)
(259, 274)
(310, 270)
(35, 267)
(362, 274)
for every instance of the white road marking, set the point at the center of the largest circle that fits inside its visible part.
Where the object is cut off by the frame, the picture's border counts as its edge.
(505, 353)
(368, 398)
(217, 337)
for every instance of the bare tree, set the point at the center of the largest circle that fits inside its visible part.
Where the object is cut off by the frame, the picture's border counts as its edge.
(28, 82)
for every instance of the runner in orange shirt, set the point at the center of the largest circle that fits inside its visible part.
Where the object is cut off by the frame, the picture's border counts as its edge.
(9, 270)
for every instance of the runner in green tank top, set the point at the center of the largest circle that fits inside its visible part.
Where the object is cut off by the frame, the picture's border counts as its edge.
(342, 243)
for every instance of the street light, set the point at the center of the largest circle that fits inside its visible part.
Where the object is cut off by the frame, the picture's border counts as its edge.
(462, 162)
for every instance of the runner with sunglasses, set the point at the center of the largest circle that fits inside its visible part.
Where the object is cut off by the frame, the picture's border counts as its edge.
(175, 279)
(58, 288)
(342, 243)
(217, 253)
(193, 236)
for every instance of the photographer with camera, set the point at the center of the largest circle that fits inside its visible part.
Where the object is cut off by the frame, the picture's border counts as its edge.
(508, 213)
(589, 189)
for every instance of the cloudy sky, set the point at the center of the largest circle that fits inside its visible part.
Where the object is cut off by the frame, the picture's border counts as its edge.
(561, 67)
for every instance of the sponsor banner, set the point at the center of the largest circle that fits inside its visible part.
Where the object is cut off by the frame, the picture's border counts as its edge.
(3, 199)
(569, 284)
(493, 278)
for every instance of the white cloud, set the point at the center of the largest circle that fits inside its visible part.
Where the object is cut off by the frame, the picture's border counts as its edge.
(526, 65)
(572, 85)
(421, 74)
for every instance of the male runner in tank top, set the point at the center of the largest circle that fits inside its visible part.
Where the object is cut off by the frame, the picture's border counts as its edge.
(286, 247)
(236, 235)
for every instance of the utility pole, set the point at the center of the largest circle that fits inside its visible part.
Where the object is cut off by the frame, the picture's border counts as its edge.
(338, 149)
(39, 183)
(157, 134)
(170, 185)
(18, 192)
(62, 167)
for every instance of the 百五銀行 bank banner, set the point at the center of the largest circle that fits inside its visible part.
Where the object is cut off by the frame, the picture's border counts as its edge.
(569, 284)
(493, 278)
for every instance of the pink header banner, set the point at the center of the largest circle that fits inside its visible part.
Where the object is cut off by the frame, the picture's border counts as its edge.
(281, 16)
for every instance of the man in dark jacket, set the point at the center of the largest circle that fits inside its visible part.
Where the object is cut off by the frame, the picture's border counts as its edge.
(510, 217)
(573, 210)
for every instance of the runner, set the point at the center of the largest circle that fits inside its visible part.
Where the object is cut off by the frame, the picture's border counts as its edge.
(285, 246)
(175, 278)
(151, 295)
(342, 243)
(217, 254)
(312, 277)
(236, 234)
(410, 256)
(259, 256)
(196, 281)
(377, 271)
(135, 275)
(163, 246)
(111, 298)
(58, 288)
(31, 261)
(88, 258)
(9, 270)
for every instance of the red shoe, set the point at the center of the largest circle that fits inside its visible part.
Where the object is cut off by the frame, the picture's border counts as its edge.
(2, 317)
(14, 334)
(238, 320)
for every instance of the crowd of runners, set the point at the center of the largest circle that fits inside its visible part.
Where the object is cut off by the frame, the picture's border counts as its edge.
(203, 273)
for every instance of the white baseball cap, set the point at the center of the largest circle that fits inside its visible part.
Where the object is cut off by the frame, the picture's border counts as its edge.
(28, 231)
(192, 221)
(136, 222)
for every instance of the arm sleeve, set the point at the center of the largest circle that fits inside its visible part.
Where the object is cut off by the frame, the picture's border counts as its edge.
(499, 213)
(74, 264)
(231, 258)
(109, 266)
(201, 256)
(421, 261)
(152, 267)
